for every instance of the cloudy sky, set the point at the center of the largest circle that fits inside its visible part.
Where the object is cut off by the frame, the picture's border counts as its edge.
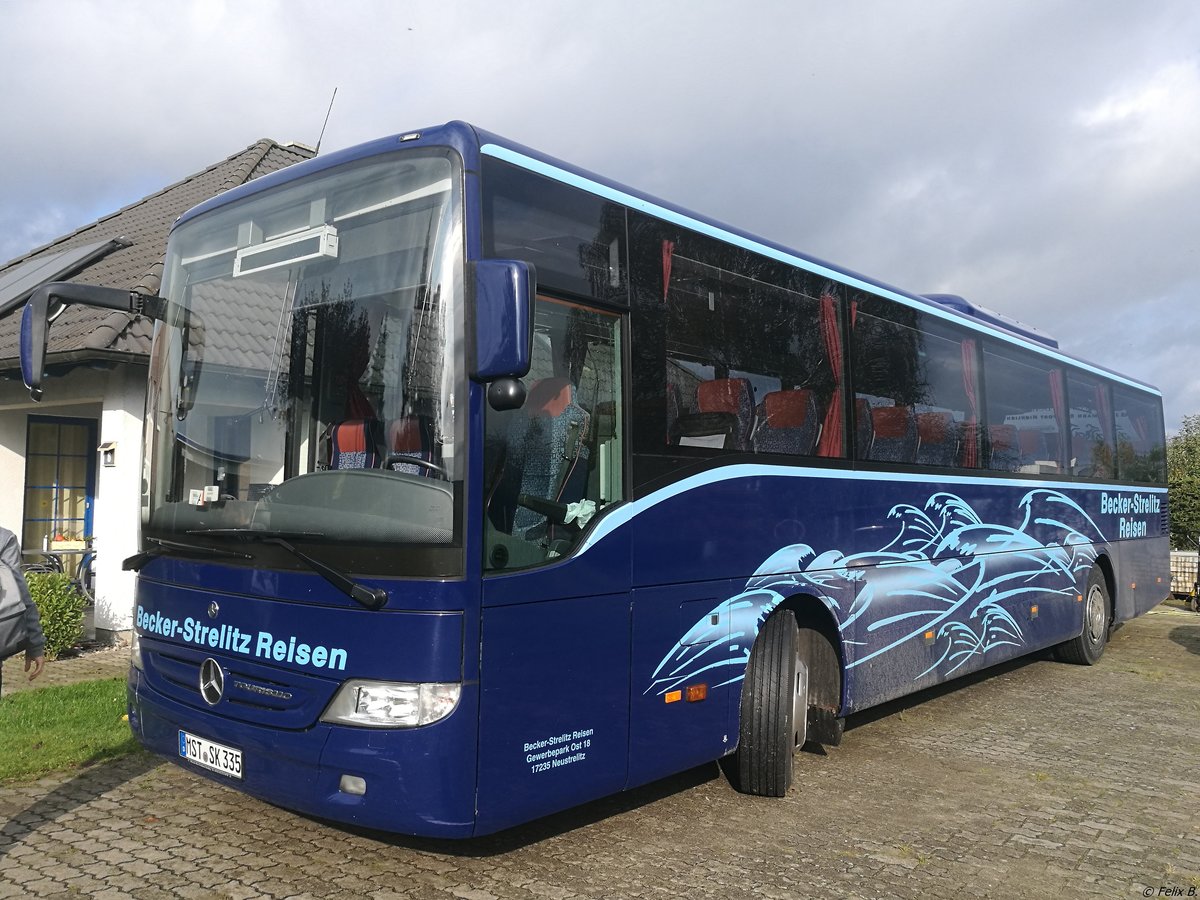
(1040, 157)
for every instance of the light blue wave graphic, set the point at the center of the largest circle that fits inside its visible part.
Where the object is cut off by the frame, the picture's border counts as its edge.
(943, 571)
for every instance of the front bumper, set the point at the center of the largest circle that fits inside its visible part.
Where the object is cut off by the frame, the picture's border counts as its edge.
(420, 781)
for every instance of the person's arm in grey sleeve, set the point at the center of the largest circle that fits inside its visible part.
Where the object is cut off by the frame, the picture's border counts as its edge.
(35, 647)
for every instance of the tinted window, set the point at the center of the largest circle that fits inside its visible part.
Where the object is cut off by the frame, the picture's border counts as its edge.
(551, 465)
(574, 238)
(916, 387)
(1141, 444)
(735, 352)
(1091, 452)
(1025, 403)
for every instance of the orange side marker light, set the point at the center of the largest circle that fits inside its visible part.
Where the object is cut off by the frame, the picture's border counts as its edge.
(697, 692)
(673, 696)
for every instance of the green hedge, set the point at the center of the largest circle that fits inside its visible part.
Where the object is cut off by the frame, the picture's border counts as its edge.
(60, 605)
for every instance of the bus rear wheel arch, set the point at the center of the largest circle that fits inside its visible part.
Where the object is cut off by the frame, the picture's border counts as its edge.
(1087, 648)
(790, 696)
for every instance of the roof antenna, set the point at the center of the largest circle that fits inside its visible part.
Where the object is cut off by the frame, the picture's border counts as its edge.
(326, 122)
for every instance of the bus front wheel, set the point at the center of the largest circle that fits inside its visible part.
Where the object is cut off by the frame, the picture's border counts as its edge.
(1087, 648)
(774, 711)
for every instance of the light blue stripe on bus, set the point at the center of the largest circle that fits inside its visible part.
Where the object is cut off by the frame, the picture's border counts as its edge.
(617, 196)
(625, 513)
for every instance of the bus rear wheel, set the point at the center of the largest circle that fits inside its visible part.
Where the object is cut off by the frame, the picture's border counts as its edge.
(774, 711)
(1088, 647)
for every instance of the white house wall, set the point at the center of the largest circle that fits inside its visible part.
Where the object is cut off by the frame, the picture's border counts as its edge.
(118, 518)
(115, 399)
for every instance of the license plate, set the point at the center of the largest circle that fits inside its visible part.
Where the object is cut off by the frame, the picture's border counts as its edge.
(211, 755)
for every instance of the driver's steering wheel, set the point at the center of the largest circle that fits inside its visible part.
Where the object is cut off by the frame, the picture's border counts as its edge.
(416, 461)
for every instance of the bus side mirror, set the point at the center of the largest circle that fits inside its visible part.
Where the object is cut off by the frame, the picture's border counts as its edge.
(503, 317)
(34, 328)
(35, 321)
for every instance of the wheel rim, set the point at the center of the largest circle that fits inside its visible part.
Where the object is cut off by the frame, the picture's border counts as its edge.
(1097, 615)
(799, 703)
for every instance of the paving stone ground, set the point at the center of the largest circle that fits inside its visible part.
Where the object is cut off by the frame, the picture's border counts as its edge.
(1039, 780)
(110, 662)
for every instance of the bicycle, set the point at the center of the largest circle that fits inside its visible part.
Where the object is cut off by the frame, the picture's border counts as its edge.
(44, 564)
(84, 575)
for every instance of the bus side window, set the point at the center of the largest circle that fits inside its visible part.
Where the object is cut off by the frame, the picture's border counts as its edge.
(1025, 411)
(553, 464)
(1141, 443)
(918, 399)
(1091, 449)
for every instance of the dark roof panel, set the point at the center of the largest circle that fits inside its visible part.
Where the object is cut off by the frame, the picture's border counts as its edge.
(19, 281)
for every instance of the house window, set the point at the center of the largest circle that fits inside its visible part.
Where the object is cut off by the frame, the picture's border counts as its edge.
(60, 479)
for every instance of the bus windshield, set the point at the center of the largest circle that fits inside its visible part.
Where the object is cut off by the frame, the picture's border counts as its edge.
(305, 373)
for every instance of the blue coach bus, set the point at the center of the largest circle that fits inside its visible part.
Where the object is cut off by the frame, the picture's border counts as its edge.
(478, 486)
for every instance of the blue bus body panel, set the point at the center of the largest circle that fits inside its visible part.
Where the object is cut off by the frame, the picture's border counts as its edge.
(302, 649)
(667, 737)
(578, 657)
(555, 674)
(924, 578)
(409, 788)
(554, 710)
(283, 660)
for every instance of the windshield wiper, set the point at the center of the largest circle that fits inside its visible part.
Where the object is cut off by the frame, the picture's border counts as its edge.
(135, 562)
(371, 598)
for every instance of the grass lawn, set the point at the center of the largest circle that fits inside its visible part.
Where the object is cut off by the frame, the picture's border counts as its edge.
(67, 727)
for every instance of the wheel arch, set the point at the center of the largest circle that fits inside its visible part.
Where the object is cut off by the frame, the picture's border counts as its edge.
(827, 664)
(1105, 564)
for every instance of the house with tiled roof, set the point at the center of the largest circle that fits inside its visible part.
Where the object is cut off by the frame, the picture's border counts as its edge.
(70, 466)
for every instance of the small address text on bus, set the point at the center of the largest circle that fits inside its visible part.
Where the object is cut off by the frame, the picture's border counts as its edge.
(558, 750)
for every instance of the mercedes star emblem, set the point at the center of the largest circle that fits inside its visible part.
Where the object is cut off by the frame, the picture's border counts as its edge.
(212, 681)
(213, 609)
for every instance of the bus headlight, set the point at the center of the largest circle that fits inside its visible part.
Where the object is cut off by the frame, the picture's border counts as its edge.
(389, 704)
(135, 652)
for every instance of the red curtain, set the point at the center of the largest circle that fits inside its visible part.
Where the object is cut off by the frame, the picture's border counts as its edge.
(1059, 400)
(668, 252)
(1106, 416)
(971, 429)
(1100, 465)
(832, 437)
(1140, 429)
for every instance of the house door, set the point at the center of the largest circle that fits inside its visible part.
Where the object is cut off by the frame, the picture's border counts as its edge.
(60, 487)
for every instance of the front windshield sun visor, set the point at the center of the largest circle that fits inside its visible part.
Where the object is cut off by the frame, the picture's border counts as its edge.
(308, 372)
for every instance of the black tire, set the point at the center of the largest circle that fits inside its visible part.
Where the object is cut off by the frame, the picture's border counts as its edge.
(768, 733)
(1088, 647)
